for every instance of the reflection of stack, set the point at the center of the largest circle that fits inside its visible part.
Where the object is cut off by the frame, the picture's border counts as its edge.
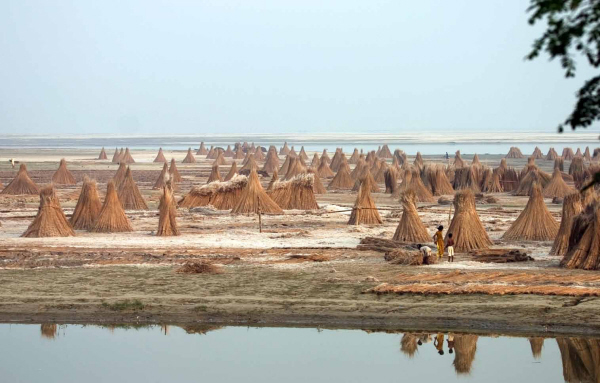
(537, 343)
(164, 329)
(49, 331)
(465, 347)
(408, 345)
(202, 330)
(580, 358)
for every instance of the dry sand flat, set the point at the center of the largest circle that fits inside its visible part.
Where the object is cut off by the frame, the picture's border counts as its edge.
(303, 269)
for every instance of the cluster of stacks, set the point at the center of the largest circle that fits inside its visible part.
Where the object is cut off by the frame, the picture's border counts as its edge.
(123, 156)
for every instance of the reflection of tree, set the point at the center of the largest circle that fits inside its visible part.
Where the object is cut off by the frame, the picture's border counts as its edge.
(465, 347)
(580, 358)
(408, 344)
(49, 330)
(537, 343)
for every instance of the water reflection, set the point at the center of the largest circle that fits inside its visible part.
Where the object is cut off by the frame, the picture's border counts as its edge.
(458, 351)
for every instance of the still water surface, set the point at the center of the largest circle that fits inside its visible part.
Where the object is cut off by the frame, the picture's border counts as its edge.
(75, 353)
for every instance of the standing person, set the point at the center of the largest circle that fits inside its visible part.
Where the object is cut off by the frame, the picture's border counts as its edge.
(450, 247)
(438, 239)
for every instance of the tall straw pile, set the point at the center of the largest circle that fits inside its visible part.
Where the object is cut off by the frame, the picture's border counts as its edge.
(495, 186)
(239, 154)
(254, 199)
(21, 184)
(385, 152)
(354, 157)
(586, 154)
(326, 156)
(88, 206)
(219, 158)
(409, 345)
(324, 170)
(215, 174)
(271, 161)
(296, 193)
(468, 177)
(120, 175)
(537, 154)
(232, 171)
(303, 154)
(458, 161)
(274, 178)
(390, 178)
(551, 156)
(410, 228)
(531, 176)
(50, 220)
(260, 156)
(584, 242)
(557, 187)
(359, 169)
(372, 183)
(578, 171)
(295, 168)
(189, 158)
(173, 172)
(160, 181)
(568, 154)
(415, 184)
(336, 160)
(129, 194)
(63, 176)
(571, 207)
(465, 347)
(364, 210)
(202, 150)
(228, 152)
(102, 155)
(116, 156)
(318, 187)
(249, 164)
(284, 149)
(160, 157)
(127, 158)
(418, 160)
(342, 180)
(225, 195)
(514, 152)
(578, 153)
(211, 155)
(537, 344)
(316, 161)
(559, 164)
(580, 359)
(286, 165)
(466, 227)
(167, 213)
(535, 223)
(437, 180)
(112, 218)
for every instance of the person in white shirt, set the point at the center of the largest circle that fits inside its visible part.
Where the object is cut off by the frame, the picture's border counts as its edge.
(426, 250)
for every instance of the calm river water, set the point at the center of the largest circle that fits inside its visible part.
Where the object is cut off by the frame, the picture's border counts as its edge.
(76, 353)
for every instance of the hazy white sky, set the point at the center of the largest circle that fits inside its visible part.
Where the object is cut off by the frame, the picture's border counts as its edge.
(143, 66)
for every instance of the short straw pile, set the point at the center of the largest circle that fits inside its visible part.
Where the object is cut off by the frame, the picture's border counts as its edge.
(21, 184)
(88, 206)
(466, 227)
(50, 220)
(112, 218)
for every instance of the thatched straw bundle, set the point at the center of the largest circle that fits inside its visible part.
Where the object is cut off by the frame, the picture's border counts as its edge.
(274, 178)
(202, 150)
(174, 173)
(303, 154)
(410, 228)
(514, 152)
(120, 175)
(232, 171)
(198, 196)
(418, 160)
(112, 218)
(88, 206)
(530, 177)
(286, 165)
(551, 156)
(364, 210)
(390, 178)
(129, 194)
(475, 161)
(215, 174)
(354, 157)
(228, 152)
(400, 156)
(271, 161)
(568, 154)
(160, 157)
(160, 181)
(63, 176)
(296, 193)
(586, 154)
(326, 156)
(167, 213)
(465, 347)
(211, 155)
(292, 152)
(316, 161)
(580, 359)
(335, 161)
(254, 199)
(116, 157)
(559, 164)
(49, 330)
(342, 180)
(189, 158)
(359, 169)
(102, 155)
(372, 183)
(437, 180)
(249, 163)
(509, 179)
(578, 171)
(295, 168)
(466, 227)
(385, 152)
(537, 154)
(21, 184)
(379, 173)
(239, 154)
(259, 155)
(571, 207)
(127, 158)
(494, 186)
(221, 195)
(220, 160)
(318, 187)
(50, 220)
(458, 161)
(284, 151)
(578, 153)
(557, 187)
(416, 184)
(584, 242)
(535, 223)
(324, 170)
(468, 177)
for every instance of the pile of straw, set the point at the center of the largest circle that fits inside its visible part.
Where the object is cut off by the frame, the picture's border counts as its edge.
(465, 347)
(535, 223)
(160, 157)
(284, 151)
(552, 155)
(568, 154)
(112, 217)
(102, 155)
(21, 184)
(318, 187)
(50, 220)
(342, 180)
(232, 171)
(254, 199)
(129, 194)
(215, 174)
(537, 154)
(410, 228)
(167, 213)
(364, 210)
(173, 172)
(571, 207)
(584, 242)
(160, 181)
(127, 158)
(580, 359)
(557, 187)
(88, 206)
(202, 150)
(514, 152)
(466, 227)
(296, 193)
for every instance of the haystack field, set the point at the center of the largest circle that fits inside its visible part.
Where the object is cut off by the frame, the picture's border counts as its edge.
(292, 249)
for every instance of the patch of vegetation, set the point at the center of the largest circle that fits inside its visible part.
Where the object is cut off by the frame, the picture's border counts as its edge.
(127, 304)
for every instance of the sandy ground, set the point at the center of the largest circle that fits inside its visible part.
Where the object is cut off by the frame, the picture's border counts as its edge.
(269, 277)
